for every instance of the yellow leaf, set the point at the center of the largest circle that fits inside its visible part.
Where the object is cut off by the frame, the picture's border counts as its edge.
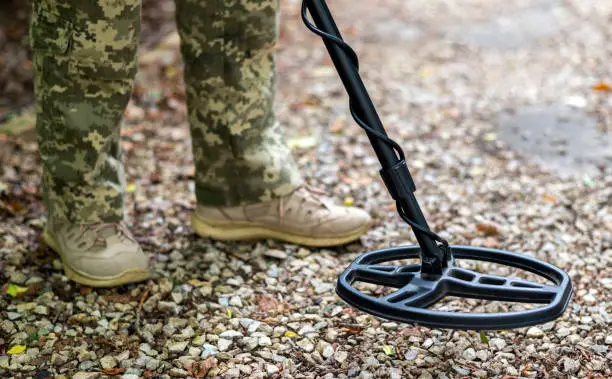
(290, 334)
(349, 201)
(490, 137)
(425, 72)
(483, 337)
(131, 188)
(228, 312)
(388, 349)
(302, 142)
(17, 349)
(477, 171)
(14, 290)
(171, 72)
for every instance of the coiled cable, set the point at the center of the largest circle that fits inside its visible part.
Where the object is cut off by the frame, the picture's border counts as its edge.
(394, 145)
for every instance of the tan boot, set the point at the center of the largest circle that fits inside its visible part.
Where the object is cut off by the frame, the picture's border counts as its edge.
(98, 255)
(301, 218)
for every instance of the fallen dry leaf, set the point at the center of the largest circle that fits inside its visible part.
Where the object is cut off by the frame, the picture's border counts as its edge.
(267, 303)
(17, 349)
(337, 125)
(489, 229)
(602, 87)
(201, 369)
(113, 371)
(119, 298)
(352, 329)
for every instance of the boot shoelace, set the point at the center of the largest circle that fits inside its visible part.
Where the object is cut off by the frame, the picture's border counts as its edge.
(310, 192)
(120, 228)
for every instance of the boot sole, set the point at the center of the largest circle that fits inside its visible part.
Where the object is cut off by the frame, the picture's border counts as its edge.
(245, 232)
(126, 277)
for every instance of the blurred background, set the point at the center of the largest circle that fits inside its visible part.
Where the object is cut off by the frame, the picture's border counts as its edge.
(529, 52)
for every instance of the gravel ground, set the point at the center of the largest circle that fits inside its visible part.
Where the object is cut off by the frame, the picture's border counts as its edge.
(440, 73)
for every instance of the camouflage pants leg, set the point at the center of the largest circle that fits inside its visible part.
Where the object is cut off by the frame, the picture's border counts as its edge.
(84, 59)
(239, 149)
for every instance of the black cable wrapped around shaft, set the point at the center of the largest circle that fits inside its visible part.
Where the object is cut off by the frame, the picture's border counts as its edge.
(387, 174)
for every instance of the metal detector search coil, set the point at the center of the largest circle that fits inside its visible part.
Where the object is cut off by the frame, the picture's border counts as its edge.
(419, 286)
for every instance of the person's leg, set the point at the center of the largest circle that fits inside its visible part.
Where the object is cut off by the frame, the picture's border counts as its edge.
(247, 182)
(239, 149)
(84, 60)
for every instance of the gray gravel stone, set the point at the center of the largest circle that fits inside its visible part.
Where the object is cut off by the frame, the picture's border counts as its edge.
(108, 362)
(306, 345)
(461, 370)
(589, 299)
(271, 369)
(178, 373)
(264, 341)
(208, 350)
(497, 343)
(469, 354)
(570, 366)
(563, 332)
(152, 364)
(86, 375)
(177, 347)
(224, 344)
(340, 356)
(230, 334)
(278, 254)
(535, 332)
(85, 365)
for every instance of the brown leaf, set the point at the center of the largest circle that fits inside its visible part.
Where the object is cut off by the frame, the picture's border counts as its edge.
(15, 206)
(359, 180)
(602, 87)
(119, 298)
(113, 371)
(353, 329)
(526, 370)
(267, 303)
(488, 228)
(337, 126)
(201, 369)
(549, 198)
(85, 290)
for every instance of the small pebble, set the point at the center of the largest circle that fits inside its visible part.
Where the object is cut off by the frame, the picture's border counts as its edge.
(535, 332)
(224, 344)
(108, 362)
(340, 356)
(271, 369)
(177, 347)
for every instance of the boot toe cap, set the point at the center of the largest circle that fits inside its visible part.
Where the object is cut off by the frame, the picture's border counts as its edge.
(112, 264)
(346, 220)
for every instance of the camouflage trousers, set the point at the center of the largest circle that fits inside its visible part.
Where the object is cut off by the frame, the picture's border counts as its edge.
(85, 61)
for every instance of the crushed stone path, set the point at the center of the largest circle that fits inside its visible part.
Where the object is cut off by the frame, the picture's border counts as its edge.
(466, 88)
